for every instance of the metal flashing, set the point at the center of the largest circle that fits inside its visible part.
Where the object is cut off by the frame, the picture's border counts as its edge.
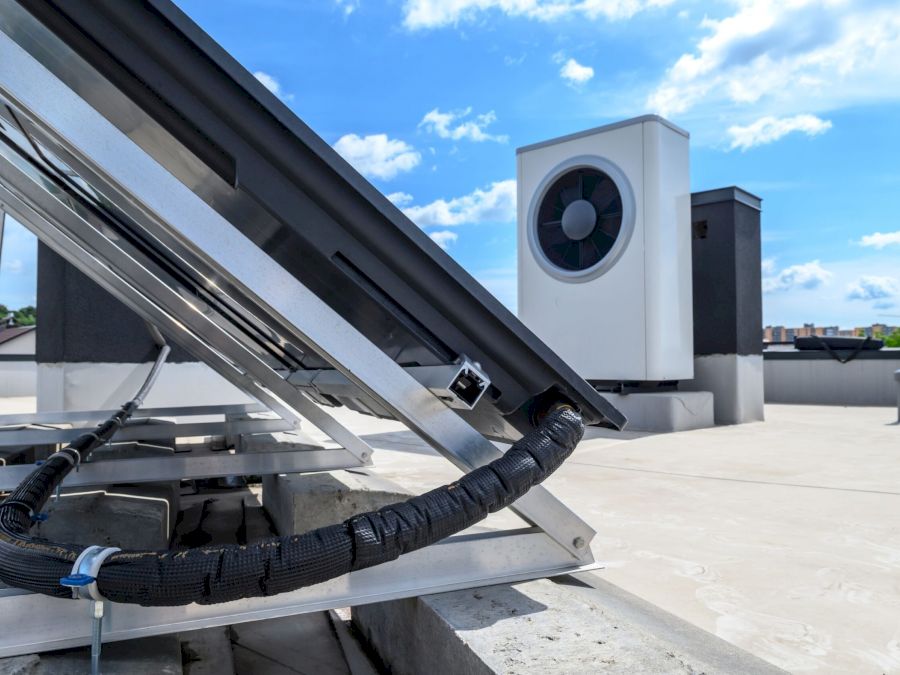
(605, 127)
(732, 193)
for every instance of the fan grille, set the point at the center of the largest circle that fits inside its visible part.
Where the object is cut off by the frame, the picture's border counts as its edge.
(579, 219)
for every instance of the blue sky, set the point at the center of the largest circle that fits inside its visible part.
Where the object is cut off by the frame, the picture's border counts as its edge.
(796, 101)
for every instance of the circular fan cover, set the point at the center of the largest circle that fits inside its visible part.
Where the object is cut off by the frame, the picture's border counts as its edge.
(579, 219)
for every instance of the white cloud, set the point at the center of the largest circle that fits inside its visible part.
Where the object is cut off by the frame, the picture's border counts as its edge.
(378, 156)
(496, 204)
(347, 6)
(807, 276)
(873, 288)
(769, 129)
(419, 14)
(12, 266)
(400, 198)
(880, 240)
(444, 238)
(768, 267)
(828, 304)
(789, 56)
(575, 73)
(271, 83)
(453, 126)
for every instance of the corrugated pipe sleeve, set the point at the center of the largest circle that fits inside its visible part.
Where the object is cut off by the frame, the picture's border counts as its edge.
(213, 574)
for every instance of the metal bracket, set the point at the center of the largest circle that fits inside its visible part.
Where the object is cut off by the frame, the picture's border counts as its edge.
(459, 385)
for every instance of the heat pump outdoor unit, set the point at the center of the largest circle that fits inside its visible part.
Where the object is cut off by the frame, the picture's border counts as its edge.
(605, 250)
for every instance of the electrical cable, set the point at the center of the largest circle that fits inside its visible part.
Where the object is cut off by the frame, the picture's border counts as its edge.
(213, 574)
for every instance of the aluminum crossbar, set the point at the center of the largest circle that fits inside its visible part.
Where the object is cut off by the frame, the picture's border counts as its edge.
(143, 432)
(193, 464)
(69, 416)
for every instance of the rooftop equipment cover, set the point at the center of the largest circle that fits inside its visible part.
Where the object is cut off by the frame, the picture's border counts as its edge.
(234, 144)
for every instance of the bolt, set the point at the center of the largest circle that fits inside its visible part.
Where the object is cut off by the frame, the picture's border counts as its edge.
(578, 542)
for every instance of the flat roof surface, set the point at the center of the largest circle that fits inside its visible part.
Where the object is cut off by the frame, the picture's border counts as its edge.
(782, 537)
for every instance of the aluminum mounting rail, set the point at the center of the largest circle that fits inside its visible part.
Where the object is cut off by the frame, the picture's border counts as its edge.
(23, 435)
(70, 416)
(193, 464)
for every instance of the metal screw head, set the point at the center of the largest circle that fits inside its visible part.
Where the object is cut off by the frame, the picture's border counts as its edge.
(578, 542)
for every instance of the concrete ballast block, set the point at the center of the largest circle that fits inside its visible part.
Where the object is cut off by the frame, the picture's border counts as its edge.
(535, 627)
(301, 502)
(736, 382)
(665, 411)
(130, 517)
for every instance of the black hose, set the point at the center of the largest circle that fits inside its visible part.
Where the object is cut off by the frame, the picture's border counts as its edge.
(213, 574)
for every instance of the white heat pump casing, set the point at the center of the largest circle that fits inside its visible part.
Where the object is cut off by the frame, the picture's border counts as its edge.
(631, 317)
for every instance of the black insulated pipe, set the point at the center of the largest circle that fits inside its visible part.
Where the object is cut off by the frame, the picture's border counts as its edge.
(214, 574)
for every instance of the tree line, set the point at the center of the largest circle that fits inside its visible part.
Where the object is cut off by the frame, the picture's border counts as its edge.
(25, 316)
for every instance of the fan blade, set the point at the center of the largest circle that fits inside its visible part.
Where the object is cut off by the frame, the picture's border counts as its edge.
(601, 180)
(602, 241)
(604, 194)
(550, 237)
(584, 259)
(590, 184)
(609, 227)
(568, 257)
(560, 247)
(614, 208)
(552, 223)
(569, 195)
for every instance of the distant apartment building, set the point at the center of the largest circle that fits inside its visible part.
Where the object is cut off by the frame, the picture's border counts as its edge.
(783, 334)
(876, 329)
(775, 334)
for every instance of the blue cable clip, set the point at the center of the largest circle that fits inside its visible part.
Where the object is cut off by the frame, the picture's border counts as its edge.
(77, 580)
(83, 578)
(39, 517)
